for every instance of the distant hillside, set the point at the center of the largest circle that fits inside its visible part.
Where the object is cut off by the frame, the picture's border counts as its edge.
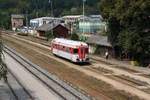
(37, 8)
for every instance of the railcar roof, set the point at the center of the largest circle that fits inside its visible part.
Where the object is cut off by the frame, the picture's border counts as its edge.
(69, 42)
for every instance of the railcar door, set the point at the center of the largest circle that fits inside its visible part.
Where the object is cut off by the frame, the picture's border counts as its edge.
(82, 53)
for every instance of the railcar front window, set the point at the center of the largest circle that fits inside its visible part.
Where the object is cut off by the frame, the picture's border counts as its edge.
(86, 50)
(82, 49)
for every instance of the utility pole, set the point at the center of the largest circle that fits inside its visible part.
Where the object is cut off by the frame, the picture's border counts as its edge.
(27, 24)
(51, 5)
(36, 9)
(83, 13)
(51, 2)
(84, 7)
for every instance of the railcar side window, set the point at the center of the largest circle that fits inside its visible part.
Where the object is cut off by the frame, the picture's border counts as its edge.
(64, 48)
(56, 46)
(67, 49)
(71, 51)
(75, 50)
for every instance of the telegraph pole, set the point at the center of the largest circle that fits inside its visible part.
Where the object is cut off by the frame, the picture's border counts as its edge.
(27, 24)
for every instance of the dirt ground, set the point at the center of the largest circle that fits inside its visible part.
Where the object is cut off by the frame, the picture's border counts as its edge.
(35, 39)
(96, 88)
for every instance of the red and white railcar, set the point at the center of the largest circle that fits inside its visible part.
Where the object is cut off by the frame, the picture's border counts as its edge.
(75, 51)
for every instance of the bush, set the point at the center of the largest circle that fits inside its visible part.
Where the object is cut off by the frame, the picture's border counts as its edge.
(135, 63)
(74, 36)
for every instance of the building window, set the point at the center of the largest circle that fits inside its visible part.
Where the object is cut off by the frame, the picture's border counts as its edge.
(14, 24)
(44, 22)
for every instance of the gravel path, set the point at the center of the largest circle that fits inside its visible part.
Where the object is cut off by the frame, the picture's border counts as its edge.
(122, 72)
(140, 69)
(5, 92)
(36, 88)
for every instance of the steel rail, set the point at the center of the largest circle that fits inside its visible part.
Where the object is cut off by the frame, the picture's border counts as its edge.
(63, 97)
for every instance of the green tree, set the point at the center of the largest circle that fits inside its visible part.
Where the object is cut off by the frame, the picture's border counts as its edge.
(49, 35)
(74, 36)
(3, 67)
(39, 8)
(129, 28)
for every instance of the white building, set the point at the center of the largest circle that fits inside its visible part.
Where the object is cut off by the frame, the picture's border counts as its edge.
(17, 21)
(71, 18)
(96, 17)
(71, 21)
(37, 22)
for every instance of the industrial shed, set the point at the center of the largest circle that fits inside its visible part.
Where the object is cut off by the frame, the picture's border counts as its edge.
(99, 45)
(57, 30)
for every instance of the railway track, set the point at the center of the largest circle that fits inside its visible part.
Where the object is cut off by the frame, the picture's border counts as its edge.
(18, 90)
(63, 90)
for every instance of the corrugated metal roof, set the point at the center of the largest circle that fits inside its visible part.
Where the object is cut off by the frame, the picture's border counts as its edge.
(47, 27)
(72, 16)
(46, 18)
(99, 40)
